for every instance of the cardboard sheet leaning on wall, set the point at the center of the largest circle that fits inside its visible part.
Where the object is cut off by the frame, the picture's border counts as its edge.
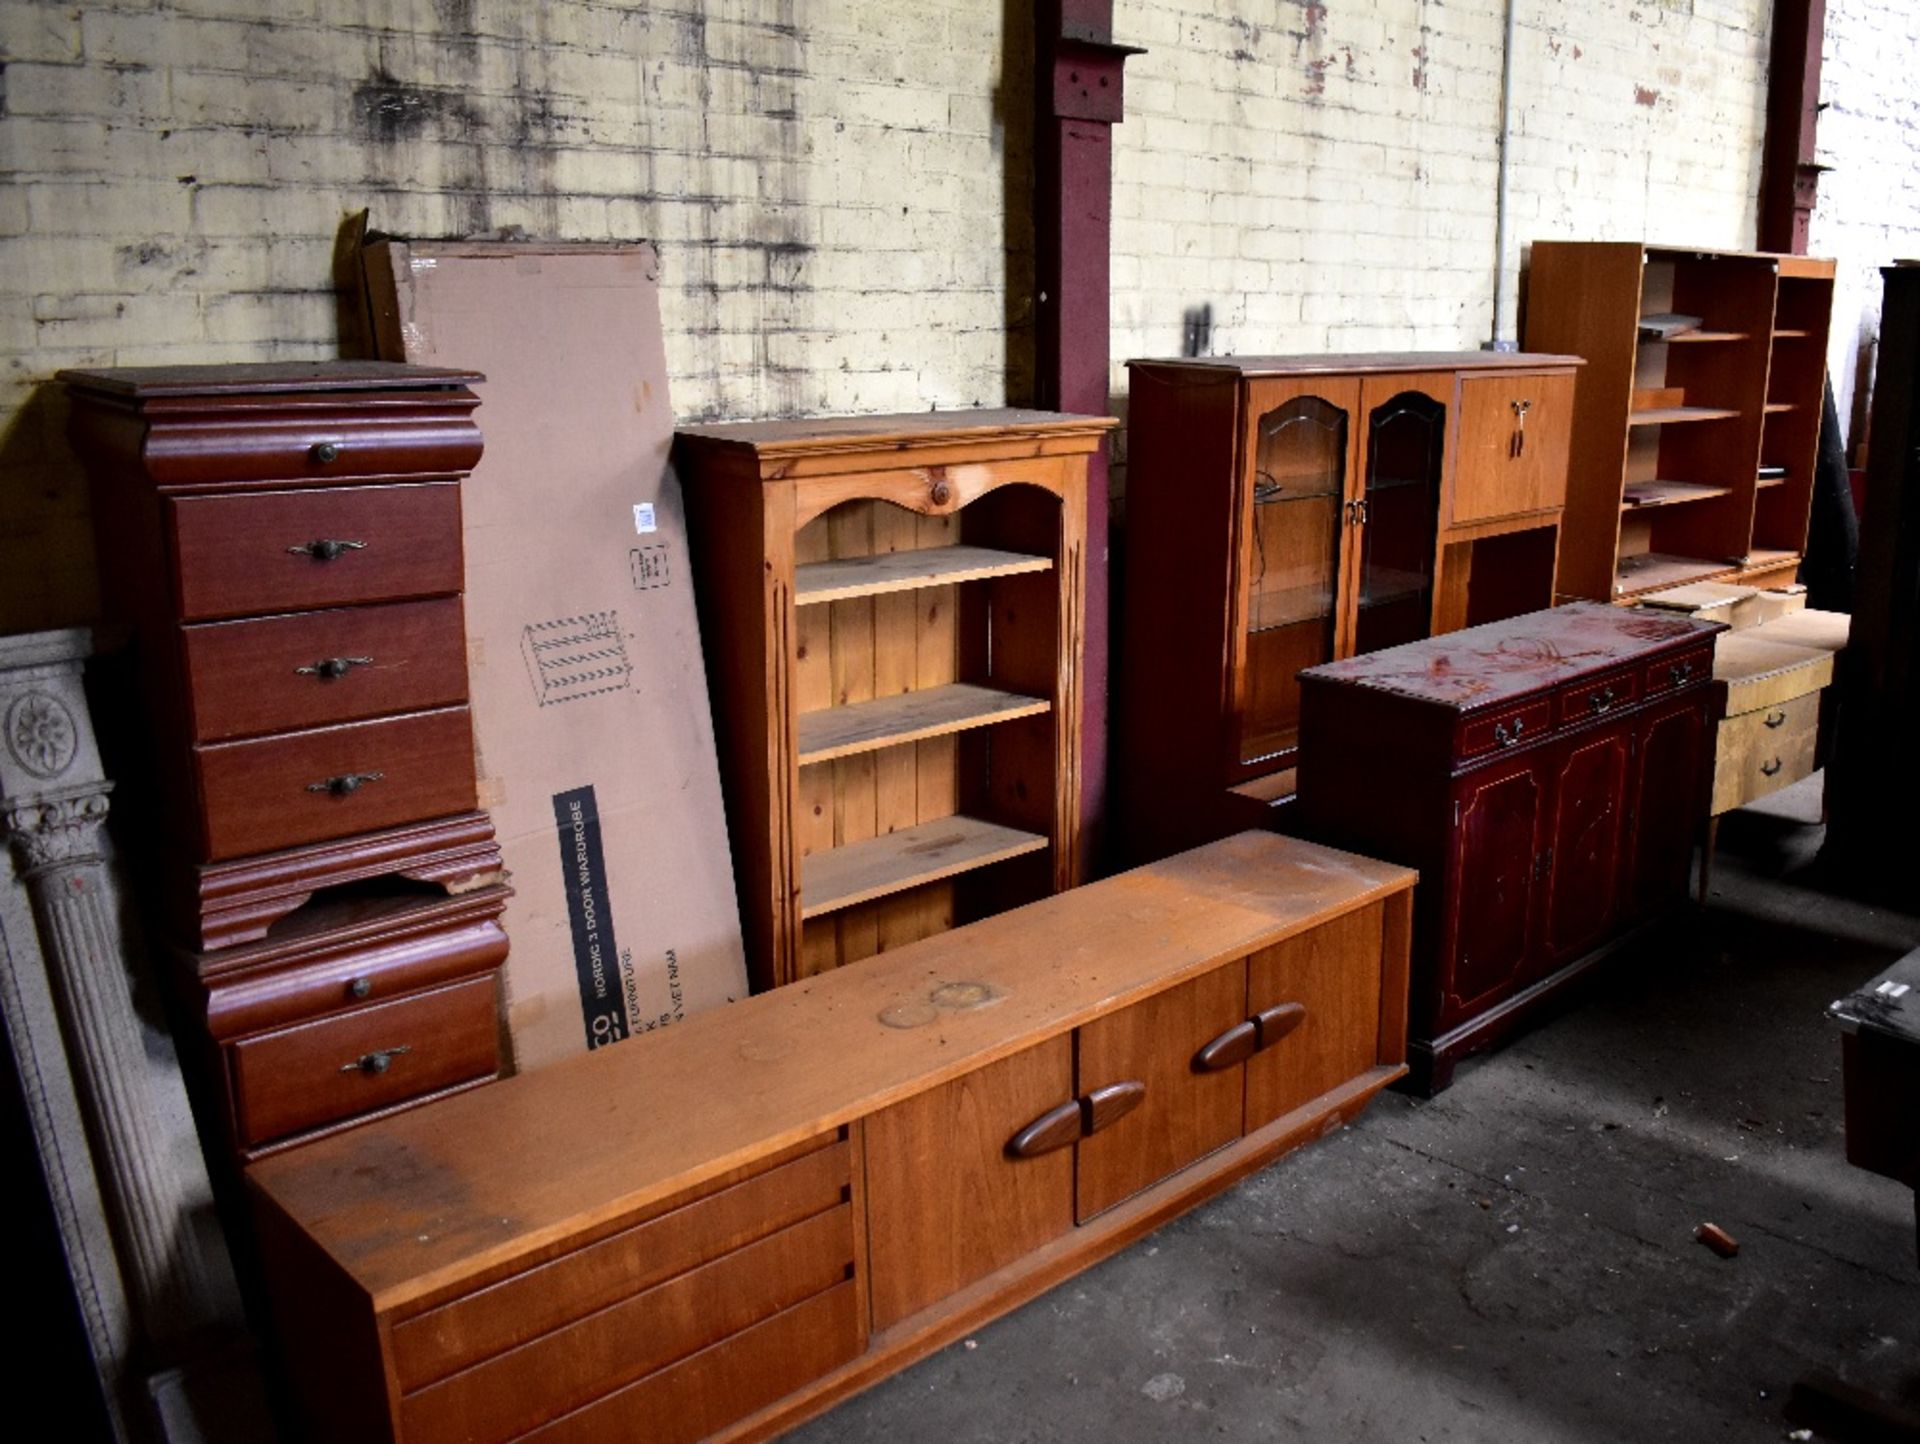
(590, 711)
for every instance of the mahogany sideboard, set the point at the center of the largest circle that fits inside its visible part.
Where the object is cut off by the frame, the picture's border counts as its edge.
(1547, 775)
(721, 1229)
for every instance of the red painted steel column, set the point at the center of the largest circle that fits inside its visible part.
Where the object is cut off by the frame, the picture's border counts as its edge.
(1078, 79)
(1789, 175)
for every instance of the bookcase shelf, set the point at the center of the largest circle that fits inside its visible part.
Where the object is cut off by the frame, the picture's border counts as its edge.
(870, 576)
(861, 872)
(1714, 406)
(908, 717)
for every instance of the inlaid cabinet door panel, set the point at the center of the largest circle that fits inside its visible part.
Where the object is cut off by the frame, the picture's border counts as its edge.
(1585, 839)
(1496, 849)
(1665, 799)
(946, 1202)
(1184, 1113)
(1315, 1000)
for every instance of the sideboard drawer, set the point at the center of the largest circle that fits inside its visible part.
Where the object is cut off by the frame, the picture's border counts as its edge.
(502, 1398)
(1505, 729)
(369, 436)
(281, 551)
(276, 674)
(1761, 752)
(304, 1077)
(1671, 672)
(301, 787)
(1602, 695)
(501, 1316)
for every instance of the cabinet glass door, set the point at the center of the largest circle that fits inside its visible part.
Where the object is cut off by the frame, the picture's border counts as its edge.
(1294, 560)
(1400, 520)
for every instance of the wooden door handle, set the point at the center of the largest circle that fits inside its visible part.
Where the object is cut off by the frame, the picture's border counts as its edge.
(1109, 1104)
(1276, 1022)
(1230, 1049)
(1056, 1128)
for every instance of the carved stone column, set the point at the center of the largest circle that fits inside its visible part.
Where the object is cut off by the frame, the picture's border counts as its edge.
(143, 1171)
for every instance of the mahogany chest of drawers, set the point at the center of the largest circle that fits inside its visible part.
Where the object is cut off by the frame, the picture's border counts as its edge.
(284, 543)
(1547, 775)
(721, 1228)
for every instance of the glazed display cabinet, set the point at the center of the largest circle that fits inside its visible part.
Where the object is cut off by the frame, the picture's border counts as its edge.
(892, 609)
(1288, 511)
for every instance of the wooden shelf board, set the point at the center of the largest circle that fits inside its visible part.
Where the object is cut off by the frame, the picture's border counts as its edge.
(1642, 494)
(1698, 336)
(1272, 789)
(1666, 415)
(1784, 333)
(1656, 571)
(1778, 408)
(1766, 481)
(909, 717)
(849, 577)
(863, 871)
(1768, 557)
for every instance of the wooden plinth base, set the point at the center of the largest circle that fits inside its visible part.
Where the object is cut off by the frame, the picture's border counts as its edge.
(222, 904)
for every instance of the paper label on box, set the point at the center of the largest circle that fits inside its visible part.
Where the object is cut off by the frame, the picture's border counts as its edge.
(643, 521)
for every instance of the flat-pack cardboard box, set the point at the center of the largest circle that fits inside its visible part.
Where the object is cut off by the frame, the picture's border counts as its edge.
(590, 711)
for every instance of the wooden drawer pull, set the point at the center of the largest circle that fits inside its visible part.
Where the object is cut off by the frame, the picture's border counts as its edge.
(1276, 1022)
(1230, 1049)
(325, 549)
(1056, 1128)
(346, 783)
(1108, 1105)
(376, 1062)
(1774, 719)
(329, 667)
(1767, 769)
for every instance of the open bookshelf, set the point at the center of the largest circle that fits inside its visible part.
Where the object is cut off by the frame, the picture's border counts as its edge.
(892, 609)
(1672, 436)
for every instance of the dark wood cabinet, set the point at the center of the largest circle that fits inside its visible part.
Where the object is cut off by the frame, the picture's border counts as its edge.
(729, 1226)
(1547, 776)
(1285, 511)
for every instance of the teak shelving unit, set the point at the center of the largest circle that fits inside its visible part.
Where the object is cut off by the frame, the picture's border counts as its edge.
(1670, 438)
(892, 608)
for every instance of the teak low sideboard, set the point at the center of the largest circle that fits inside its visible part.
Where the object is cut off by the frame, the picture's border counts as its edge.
(722, 1229)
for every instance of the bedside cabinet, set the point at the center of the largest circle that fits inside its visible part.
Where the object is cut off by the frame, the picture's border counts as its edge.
(284, 544)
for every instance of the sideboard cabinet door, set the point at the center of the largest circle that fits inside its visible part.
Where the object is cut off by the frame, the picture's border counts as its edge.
(1500, 814)
(1586, 838)
(949, 1204)
(1671, 749)
(1315, 1001)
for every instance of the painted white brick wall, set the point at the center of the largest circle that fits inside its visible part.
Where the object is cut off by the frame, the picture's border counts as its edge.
(1868, 211)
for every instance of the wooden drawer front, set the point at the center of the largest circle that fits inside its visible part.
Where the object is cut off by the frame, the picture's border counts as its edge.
(1504, 466)
(321, 1072)
(1761, 752)
(336, 443)
(947, 1204)
(276, 674)
(1670, 672)
(702, 1395)
(274, 792)
(528, 1386)
(1505, 729)
(1585, 701)
(1332, 974)
(435, 1344)
(238, 555)
(1185, 1113)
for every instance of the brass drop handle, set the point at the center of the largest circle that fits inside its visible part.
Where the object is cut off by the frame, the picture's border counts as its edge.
(326, 549)
(1601, 700)
(346, 783)
(376, 1062)
(1517, 446)
(1767, 769)
(1056, 1128)
(1774, 719)
(1505, 736)
(324, 453)
(333, 666)
(1680, 672)
(1108, 1104)
(1230, 1049)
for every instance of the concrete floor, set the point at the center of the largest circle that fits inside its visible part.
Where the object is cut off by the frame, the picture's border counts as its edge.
(1515, 1259)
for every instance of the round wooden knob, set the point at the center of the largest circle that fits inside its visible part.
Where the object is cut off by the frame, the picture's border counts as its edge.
(942, 493)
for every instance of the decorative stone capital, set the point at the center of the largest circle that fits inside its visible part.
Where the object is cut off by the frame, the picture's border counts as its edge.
(61, 829)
